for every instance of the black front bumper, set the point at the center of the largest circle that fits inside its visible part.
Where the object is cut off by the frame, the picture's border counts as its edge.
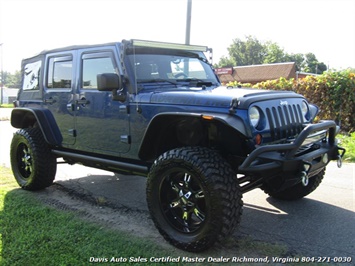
(290, 159)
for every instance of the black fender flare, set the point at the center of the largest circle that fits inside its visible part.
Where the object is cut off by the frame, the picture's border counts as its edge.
(147, 144)
(27, 117)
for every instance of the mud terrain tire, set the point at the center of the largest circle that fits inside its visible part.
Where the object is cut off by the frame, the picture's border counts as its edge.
(193, 197)
(33, 165)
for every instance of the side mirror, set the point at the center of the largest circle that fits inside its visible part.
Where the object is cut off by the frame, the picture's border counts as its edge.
(108, 82)
(111, 82)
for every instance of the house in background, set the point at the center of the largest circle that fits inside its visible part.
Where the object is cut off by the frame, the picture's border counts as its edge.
(256, 73)
(9, 95)
(302, 75)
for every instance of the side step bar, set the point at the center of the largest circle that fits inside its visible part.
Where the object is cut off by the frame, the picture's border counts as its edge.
(102, 163)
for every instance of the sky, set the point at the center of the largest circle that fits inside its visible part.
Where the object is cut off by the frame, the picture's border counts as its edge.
(323, 27)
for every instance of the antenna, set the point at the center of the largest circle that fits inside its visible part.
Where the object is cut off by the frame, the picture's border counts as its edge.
(135, 78)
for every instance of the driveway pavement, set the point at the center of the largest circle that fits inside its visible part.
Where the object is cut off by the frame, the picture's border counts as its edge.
(321, 224)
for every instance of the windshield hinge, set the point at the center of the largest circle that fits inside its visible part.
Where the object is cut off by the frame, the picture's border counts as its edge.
(233, 106)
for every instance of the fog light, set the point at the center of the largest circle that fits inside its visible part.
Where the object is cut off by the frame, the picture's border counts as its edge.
(325, 158)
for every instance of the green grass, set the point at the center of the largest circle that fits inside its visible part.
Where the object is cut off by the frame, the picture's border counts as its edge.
(32, 233)
(348, 142)
(7, 105)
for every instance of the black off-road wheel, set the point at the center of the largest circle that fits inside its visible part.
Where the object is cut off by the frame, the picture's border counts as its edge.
(193, 197)
(299, 191)
(33, 165)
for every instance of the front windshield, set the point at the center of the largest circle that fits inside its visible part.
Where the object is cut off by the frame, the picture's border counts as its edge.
(178, 70)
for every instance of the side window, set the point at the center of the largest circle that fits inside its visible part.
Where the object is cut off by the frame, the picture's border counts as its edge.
(60, 72)
(31, 76)
(94, 64)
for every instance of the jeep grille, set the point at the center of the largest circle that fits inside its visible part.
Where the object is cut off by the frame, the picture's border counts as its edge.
(285, 121)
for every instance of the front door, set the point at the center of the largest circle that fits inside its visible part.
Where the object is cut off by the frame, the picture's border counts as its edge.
(101, 124)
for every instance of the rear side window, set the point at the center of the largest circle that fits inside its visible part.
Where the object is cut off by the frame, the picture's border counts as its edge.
(60, 72)
(31, 75)
(93, 64)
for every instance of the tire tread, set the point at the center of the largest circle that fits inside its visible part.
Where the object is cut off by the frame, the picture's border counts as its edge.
(219, 176)
(44, 163)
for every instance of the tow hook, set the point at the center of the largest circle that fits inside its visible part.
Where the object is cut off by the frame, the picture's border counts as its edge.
(339, 161)
(304, 178)
(340, 157)
(304, 174)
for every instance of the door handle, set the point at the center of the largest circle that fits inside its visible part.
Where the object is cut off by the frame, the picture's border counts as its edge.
(83, 102)
(50, 100)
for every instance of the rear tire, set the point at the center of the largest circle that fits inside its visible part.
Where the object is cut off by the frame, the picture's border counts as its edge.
(299, 191)
(193, 197)
(32, 162)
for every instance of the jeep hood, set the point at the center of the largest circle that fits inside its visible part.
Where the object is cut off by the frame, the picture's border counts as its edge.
(217, 97)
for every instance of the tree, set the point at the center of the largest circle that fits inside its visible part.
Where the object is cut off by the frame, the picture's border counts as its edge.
(313, 65)
(249, 52)
(253, 52)
(298, 59)
(274, 53)
(226, 62)
(12, 80)
(4, 77)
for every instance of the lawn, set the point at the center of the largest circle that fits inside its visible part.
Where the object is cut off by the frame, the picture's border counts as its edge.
(34, 234)
(31, 233)
(7, 105)
(348, 142)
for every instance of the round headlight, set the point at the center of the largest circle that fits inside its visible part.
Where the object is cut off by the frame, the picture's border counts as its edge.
(254, 116)
(304, 109)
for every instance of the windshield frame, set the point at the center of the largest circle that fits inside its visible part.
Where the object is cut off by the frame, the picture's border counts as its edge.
(160, 57)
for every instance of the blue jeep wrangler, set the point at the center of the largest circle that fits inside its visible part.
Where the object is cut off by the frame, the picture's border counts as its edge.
(158, 110)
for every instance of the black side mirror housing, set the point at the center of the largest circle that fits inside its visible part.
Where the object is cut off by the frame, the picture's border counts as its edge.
(108, 82)
(112, 82)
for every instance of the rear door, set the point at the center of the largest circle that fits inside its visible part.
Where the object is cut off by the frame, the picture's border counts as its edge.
(58, 93)
(102, 124)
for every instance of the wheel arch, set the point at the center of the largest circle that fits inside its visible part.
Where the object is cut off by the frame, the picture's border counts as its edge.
(163, 130)
(28, 117)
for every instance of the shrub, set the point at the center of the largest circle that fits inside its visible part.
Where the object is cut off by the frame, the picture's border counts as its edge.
(332, 92)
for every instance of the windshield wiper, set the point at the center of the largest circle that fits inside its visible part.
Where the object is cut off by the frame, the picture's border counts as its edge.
(196, 82)
(156, 81)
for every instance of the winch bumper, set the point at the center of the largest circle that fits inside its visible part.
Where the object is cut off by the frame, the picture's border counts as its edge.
(305, 156)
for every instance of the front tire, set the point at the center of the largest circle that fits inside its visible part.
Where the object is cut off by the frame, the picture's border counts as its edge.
(193, 197)
(32, 162)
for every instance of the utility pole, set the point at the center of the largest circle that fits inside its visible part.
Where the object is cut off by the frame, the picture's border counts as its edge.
(187, 36)
(188, 22)
(2, 75)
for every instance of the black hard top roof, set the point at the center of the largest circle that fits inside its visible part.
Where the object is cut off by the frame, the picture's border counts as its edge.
(77, 47)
